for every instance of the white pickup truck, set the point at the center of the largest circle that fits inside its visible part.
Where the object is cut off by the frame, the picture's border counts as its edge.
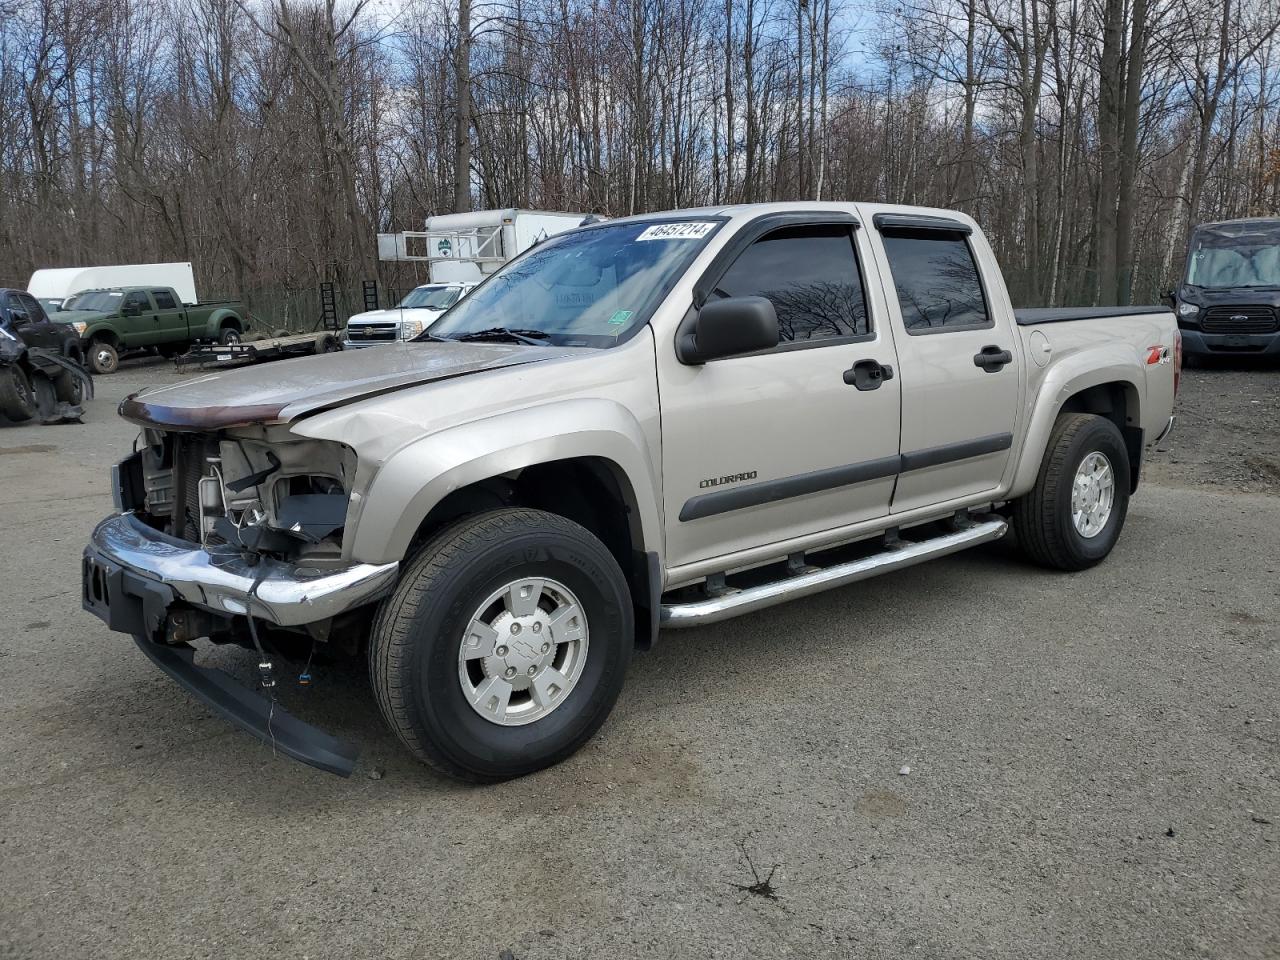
(662, 421)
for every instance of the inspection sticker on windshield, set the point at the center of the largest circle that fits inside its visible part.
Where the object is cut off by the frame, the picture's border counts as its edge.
(620, 317)
(693, 230)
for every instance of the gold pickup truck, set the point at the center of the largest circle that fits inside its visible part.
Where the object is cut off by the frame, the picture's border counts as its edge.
(655, 422)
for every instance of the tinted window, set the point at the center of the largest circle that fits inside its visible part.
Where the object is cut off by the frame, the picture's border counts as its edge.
(137, 299)
(811, 276)
(937, 281)
(18, 310)
(34, 310)
(164, 300)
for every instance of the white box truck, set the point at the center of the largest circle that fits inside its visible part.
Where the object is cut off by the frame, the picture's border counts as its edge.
(460, 250)
(53, 285)
(470, 246)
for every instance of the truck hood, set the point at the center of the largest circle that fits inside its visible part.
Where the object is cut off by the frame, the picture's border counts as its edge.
(79, 316)
(394, 313)
(288, 389)
(1230, 296)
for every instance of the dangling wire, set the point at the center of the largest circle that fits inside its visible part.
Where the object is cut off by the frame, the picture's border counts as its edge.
(266, 670)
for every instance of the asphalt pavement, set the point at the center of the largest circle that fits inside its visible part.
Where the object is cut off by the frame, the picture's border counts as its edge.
(974, 758)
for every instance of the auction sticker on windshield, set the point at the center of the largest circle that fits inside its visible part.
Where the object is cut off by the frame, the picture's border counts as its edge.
(694, 230)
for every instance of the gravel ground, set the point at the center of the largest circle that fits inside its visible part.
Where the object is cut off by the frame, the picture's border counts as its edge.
(1093, 761)
(1228, 432)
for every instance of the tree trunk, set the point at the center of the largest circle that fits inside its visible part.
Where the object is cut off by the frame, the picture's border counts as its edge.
(1126, 202)
(462, 127)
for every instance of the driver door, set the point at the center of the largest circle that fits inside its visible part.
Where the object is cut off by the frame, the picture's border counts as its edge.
(785, 442)
(140, 319)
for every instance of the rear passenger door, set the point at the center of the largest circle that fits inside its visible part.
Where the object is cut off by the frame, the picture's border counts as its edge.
(960, 365)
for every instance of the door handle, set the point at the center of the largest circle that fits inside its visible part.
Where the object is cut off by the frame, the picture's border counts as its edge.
(868, 374)
(992, 358)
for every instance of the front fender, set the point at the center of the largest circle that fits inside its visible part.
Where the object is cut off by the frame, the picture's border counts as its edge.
(421, 474)
(1066, 377)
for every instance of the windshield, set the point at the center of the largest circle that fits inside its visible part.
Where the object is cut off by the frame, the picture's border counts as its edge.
(102, 301)
(585, 288)
(431, 298)
(1235, 255)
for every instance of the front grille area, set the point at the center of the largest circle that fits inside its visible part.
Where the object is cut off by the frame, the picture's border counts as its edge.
(1255, 318)
(372, 332)
(190, 454)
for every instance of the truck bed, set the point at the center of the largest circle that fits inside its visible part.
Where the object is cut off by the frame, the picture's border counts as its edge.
(1031, 317)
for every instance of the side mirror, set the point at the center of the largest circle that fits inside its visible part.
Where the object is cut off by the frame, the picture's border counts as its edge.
(130, 310)
(1171, 298)
(728, 328)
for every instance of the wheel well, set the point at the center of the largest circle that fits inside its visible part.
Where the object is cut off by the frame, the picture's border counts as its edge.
(1118, 402)
(232, 322)
(105, 336)
(591, 492)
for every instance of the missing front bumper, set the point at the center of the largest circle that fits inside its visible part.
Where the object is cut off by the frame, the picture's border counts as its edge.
(138, 606)
(250, 712)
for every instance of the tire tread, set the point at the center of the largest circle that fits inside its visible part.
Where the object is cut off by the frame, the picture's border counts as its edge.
(391, 638)
(1035, 521)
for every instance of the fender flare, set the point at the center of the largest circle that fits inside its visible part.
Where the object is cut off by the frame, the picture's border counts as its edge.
(101, 330)
(213, 326)
(419, 475)
(1068, 377)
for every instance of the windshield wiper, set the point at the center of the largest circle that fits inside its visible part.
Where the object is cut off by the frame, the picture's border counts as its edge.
(535, 338)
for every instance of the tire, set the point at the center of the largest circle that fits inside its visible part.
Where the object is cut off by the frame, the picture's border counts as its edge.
(229, 335)
(68, 388)
(103, 357)
(1047, 529)
(17, 402)
(415, 651)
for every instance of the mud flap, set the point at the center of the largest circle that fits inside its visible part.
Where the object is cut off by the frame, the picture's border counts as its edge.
(250, 712)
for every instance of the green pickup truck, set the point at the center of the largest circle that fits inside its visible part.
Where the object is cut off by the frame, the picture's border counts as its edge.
(123, 319)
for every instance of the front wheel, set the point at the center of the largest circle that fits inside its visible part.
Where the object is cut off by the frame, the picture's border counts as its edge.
(1073, 516)
(17, 402)
(505, 645)
(103, 357)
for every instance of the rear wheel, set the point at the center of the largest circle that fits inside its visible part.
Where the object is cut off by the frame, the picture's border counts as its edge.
(505, 645)
(69, 388)
(229, 335)
(17, 402)
(1073, 516)
(103, 357)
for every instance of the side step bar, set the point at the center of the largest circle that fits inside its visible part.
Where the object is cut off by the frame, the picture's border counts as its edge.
(750, 599)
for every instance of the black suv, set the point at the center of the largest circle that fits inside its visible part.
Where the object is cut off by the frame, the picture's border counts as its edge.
(34, 348)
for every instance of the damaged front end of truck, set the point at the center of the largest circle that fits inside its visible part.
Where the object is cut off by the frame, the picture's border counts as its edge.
(230, 528)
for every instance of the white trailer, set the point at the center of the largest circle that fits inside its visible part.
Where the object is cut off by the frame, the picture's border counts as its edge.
(59, 283)
(470, 246)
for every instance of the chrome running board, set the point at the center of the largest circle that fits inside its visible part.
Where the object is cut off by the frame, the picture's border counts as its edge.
(905, 554)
